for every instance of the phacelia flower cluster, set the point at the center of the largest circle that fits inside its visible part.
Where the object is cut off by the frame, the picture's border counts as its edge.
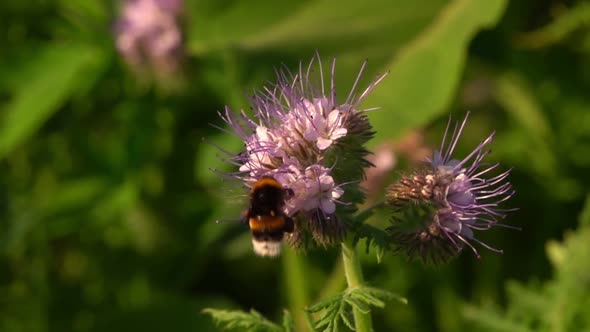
(148, 34)
(441, 206)
(311, 143)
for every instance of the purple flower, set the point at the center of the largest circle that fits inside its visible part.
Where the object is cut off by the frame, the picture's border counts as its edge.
(296, 134)
(148, 33)
(461, 195)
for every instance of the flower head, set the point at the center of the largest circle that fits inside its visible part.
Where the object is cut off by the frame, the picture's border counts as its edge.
(460, 195)
(148, 33)
(311, 143)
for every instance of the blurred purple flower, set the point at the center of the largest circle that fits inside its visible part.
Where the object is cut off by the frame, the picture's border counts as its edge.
(461, 195)
(296, 135)
(148, 34)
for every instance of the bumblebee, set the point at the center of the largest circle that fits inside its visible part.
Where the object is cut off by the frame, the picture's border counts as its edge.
(265, 217)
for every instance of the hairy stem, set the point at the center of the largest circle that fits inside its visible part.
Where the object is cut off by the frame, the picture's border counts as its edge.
(354, 279)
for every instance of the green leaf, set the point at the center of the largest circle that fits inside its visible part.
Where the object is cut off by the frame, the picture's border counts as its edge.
(367, 298)
(560, 304)
(309, 320)
(492, 320)
(332, 309)
(325, 23)
(52, 78)
(527, 298)
(336, 310)
(360, 305)
(426, 72)
(288, 322)
(375, 237)
(345, 317)
(242, 321)
(323, 322)
(324, 303)
(385, 295)
(214, 28)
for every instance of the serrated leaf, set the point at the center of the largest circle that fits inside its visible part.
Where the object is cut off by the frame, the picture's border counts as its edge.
(288, 322)
(309, 320)
(375, 237)
(344, 316)
(324, 303)
(338, 307)
(528, 298)
(52, 78)
(331, 314)
(426, 72)
(385, 295)
(367, 298)
(323, 322)
(357, 304)
(365, 214)
(560, 304)
(236, 319)
(331, 311)
(492, 320)
(336, 326)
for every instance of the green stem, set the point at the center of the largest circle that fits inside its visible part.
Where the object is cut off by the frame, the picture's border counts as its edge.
(336, 282)
(297, 295)
(354, 278)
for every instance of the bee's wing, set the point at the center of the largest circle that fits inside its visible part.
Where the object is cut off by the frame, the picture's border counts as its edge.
(230, 199)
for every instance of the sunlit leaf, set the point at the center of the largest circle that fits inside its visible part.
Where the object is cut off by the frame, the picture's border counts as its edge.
(425, 72)
(319, 23)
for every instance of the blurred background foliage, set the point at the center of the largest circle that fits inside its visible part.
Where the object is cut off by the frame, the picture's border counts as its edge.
(108, 202)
